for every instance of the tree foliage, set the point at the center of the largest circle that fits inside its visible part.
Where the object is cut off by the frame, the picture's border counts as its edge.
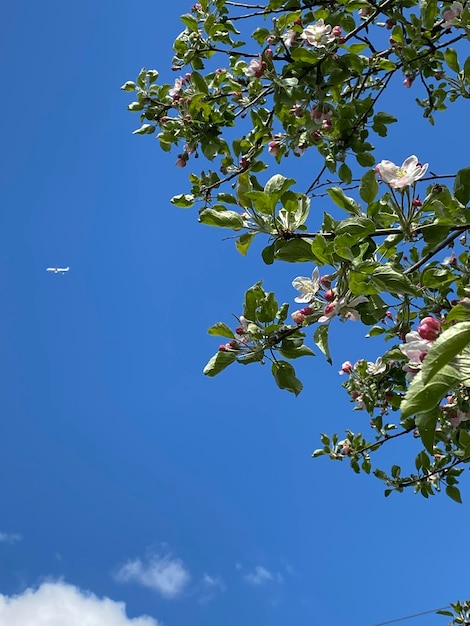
(296, 79)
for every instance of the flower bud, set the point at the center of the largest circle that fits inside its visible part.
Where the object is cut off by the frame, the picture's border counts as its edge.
(330, 295)
(298, 317)
(429, 328)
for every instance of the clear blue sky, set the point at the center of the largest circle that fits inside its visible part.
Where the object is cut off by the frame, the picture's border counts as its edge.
(124, 473)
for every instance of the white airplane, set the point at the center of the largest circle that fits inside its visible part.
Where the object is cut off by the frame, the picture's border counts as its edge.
(58, 270)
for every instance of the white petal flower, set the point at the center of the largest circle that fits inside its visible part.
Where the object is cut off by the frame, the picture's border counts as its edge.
(399, 177)
(318, 35)
(308, 287)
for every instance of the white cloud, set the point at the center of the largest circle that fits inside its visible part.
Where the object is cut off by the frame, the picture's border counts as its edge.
(9, 537)
(212, 582)
(60, 604)
(164, 574)
(260, 575)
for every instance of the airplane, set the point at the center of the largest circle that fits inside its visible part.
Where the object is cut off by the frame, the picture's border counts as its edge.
(58, 270)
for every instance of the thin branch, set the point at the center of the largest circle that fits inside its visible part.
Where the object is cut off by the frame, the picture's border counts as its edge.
(448, 240)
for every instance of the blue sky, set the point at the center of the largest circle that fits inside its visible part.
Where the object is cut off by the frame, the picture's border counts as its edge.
(125, 475)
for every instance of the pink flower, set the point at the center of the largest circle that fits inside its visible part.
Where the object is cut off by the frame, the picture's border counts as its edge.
(429, 328)
(321, 113)
(289, 37)
(408, 81)
(255, 68)
(318, 35)
(298, 317)
(274, 147)
(346, 368)
(336, 31)
(175, 90)
(400, 177)
(451, 14)
(343, 307)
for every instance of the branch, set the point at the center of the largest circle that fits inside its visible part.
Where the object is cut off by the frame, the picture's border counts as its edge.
(458, 230)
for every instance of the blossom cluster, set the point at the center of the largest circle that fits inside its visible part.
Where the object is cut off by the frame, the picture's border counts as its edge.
(329, 303)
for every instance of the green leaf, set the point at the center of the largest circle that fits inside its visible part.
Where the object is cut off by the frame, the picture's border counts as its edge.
(277, 185)
(190, 21)
(369, 187)
(221, 330)
(294, 251)
(219, 362)
(253, 296)
(422, 397)
(342, 200)
(129, 86)
(462, 185)
(429, 13)
(446, 347)
(426, 425)
(454, 493)
(345, 173)
(262, 202)
(450, 55)
(183, 200)
(221, 219)
(243, 242)
(284, 375)
(386, 278)
(268, 254)
(320, 337)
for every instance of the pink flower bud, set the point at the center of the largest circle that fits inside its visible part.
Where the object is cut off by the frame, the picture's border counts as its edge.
(306, 310)
(298, 317)
(345, 450)
(268, 53)
(330, 295)
(325, 280)
(346, 368)
(273, 147)
(329, 308)
(181, 161)
(222, 348)
(429, 328)
(416, 202)
(408, 81)
(336, 31)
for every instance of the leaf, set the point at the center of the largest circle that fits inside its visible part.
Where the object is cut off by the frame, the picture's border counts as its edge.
(219, 362)
(276, 186)
(429, 12)
(450, 55)
(294, 251)
(454, 493)
(426, 425)
(221, 330)
(253, 296)
(369, 187)
(447, 346)
(342, 200)
(221, 219)
(386, 278)
(243, 242)
(345, 173)
(284, 375)
(320, 337)
(462, 185)
(183, 200)
(422, 397)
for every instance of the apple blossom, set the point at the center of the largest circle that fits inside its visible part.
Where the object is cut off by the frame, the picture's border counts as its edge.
(429, 328)
(346, 368)
(289, 37)
(308, 287)
(400, 177)
(255, 68)
(175, 90)
(453, 12)
(343, 307)
(318, 35)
